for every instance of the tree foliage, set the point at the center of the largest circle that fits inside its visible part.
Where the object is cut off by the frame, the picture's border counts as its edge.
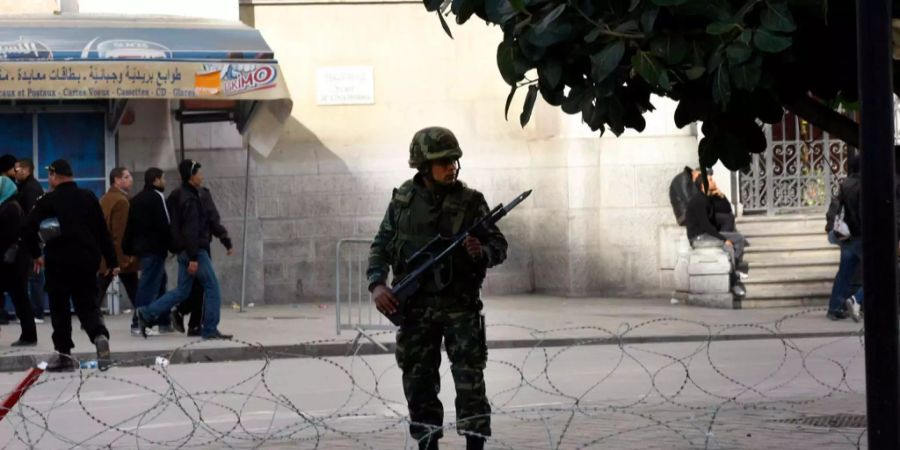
(728, 63)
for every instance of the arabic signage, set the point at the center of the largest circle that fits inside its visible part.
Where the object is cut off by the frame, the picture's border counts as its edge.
(138, 79)
(348, 85)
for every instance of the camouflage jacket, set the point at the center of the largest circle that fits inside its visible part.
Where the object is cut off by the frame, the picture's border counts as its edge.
(414, 216)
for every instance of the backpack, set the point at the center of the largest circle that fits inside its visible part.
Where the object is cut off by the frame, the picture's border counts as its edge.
(681, 189)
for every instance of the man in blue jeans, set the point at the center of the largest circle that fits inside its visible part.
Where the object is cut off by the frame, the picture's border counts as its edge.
(148, 237)
(194, 220)
(846, 205)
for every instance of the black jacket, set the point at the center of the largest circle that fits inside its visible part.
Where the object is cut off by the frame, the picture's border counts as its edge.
(848, 197)
(700, 217)
(11, 221)
(148, 229)
(84, 237)
(681, 190)
(29, 192)
(195, 220)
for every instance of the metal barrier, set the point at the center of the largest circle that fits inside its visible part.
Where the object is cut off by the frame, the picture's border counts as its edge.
(354, 308)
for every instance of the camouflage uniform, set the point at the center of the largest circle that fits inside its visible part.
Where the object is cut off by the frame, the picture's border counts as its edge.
(447, 306)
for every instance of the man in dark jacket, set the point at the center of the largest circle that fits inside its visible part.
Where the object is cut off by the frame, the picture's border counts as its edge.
(30, 191)
(14, 261)
(72, 250)
(847, 203)
(192, 229)
(148, 237)
(700, 220)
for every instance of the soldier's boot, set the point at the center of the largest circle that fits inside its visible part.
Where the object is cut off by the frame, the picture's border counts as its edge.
(428, 443)
(474, 443)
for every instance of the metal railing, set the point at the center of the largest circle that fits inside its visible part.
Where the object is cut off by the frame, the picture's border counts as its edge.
(354, 308)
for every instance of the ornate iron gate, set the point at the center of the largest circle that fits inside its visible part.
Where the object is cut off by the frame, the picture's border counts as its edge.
(801, 169)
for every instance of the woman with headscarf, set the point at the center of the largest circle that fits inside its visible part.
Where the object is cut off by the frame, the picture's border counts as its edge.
(14, 261)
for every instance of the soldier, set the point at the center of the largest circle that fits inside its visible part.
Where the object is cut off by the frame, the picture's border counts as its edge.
(447, 306)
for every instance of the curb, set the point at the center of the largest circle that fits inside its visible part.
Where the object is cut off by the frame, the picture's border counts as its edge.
(251, 352)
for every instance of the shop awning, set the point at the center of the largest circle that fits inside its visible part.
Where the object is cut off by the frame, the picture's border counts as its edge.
(71, 57)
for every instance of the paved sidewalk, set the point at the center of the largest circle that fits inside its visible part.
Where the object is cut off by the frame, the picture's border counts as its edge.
(513, 321)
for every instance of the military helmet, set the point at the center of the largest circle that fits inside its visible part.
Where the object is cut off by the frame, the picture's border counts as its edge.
(433, 143)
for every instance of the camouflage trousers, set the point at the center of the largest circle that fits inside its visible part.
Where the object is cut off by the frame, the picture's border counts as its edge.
(419, 357)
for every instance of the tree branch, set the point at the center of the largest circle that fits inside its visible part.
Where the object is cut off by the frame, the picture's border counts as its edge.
(820, 115)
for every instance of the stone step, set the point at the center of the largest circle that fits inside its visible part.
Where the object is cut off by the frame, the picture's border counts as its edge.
(791, 274)
(799, 289)
(830, 259)
(788, 241)
(793, 257)
(781, 302)
(781, 224)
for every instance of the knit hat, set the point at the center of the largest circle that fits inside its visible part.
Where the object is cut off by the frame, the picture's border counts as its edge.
(7, 162)
(60, 167)
(187, 168)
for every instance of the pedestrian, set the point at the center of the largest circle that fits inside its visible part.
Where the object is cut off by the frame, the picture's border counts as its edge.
(14, 262)
(844, 227)
(7, 170)
(701, 223)
(30, 191)
(448, 305)
(70, 222)
(116, 205)
(192, 230)
(8, 166)
(148, 237)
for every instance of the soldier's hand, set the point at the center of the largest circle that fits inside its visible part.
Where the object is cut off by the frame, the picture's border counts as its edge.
(192, 267)
(473, 247)
(38, 264)
(385, 300)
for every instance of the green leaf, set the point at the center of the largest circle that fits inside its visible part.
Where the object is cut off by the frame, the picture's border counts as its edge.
(770, 42)
(549, 18)
(509, 98)
(720, 28)
(695, 72)
(499, 11)
(593, 35)
(777, 17)
(671, 48)
(433, 5)
(550, 70)
(507, 54)
(668, 2)
(647, 66)
(466, 9)
(444, 25)
(629, 26)
(648, 19)
(746, 76)
(518, 5)
(605, 62)
(738, 52)
(721, 86)
(664, 80)
(634, 4)
(746, 37)
(529, 105)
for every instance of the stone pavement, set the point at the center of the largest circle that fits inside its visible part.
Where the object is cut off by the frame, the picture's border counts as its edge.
(513, 321)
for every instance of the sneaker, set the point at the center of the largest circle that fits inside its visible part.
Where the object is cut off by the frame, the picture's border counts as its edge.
(61, 363)
(743, 276)
(217, 335)
(36, 320)
(836, 315)
(852, 307)
(194, 332)
(103, 355)
(738, 290)
(24, 343)
(136, 332)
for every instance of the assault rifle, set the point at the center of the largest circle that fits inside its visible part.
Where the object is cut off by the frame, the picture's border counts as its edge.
(406, 287)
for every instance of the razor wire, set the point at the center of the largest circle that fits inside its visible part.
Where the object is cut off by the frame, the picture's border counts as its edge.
(685, 396)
